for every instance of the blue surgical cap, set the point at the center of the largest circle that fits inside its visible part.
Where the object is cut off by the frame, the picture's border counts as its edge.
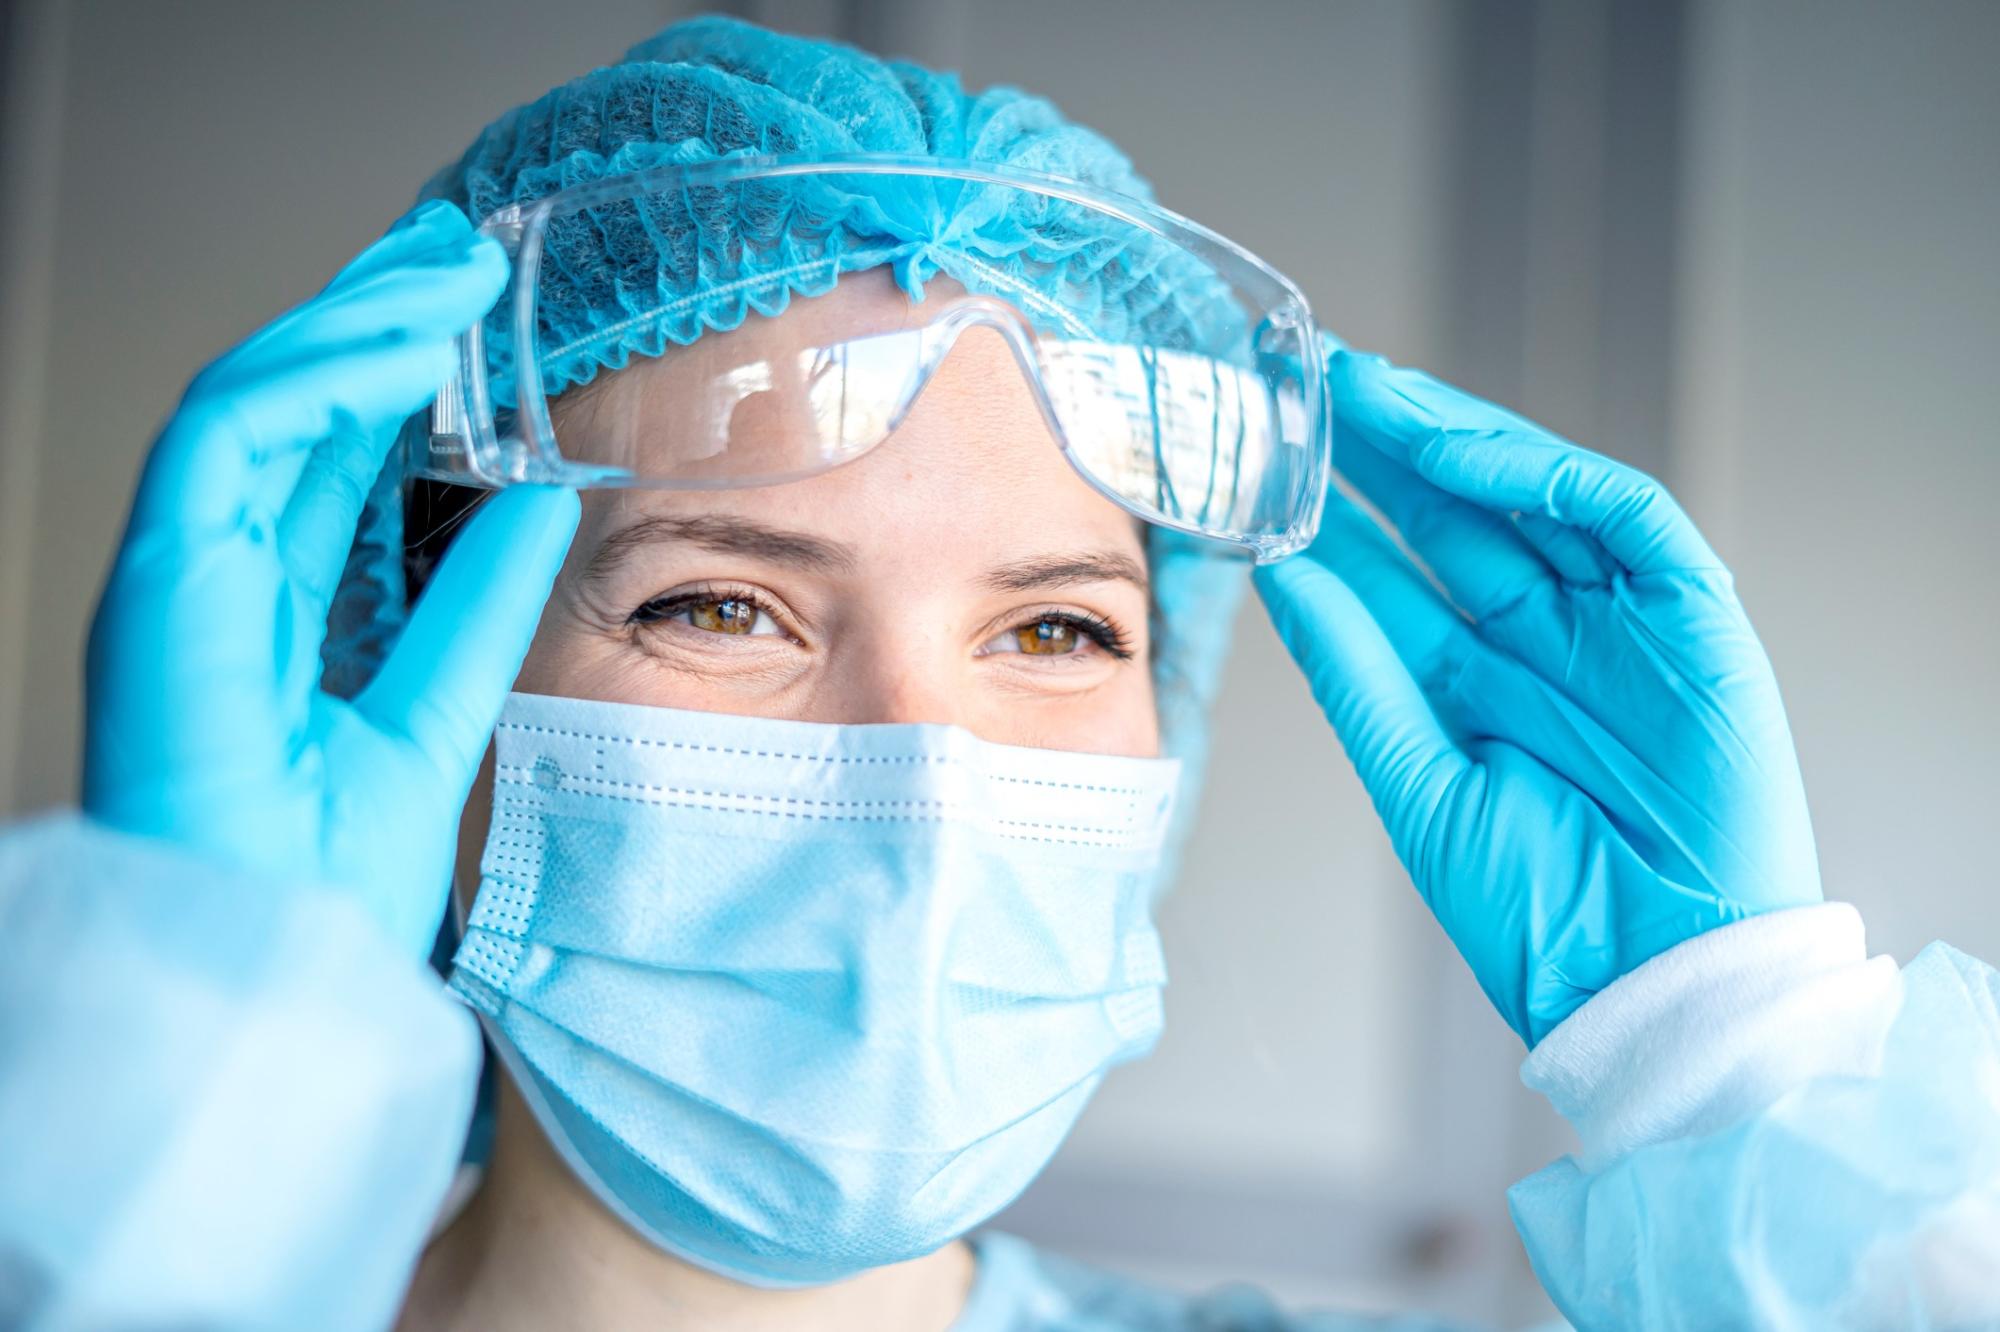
(631, 280)
(718, 87)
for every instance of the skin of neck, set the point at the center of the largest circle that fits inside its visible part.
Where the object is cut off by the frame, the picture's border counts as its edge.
(535, 1249)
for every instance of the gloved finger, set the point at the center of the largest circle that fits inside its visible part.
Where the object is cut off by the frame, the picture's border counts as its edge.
(1496, 697)
(1474, 690)
(1432, 638)
(422, 228)
(448, 674)
(182, 673)
(431, 295)
(364, 360)
(428, 237)
(1483, 562)
(323, 505)
(1505, 463)
(199, 556)
(1545, 703)
(1575, 556)
(1405, 760)
(1489, 566)
(212, 471)
(317, 529)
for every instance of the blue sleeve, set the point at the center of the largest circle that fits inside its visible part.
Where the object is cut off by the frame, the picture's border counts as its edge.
(1863, 1194)
(224, 1102)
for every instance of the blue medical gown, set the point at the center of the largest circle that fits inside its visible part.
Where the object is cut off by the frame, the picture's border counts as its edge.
(231, 1103)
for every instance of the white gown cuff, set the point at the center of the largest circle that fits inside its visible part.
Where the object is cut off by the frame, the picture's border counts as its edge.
(1717, 1028)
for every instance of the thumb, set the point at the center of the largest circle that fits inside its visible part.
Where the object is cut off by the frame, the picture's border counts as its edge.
(1406, 760)
(443, 684)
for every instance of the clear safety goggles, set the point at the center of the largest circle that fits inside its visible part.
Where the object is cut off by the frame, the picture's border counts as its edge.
(1222, 433)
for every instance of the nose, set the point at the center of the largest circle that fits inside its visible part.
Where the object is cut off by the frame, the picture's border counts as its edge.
(908, 679)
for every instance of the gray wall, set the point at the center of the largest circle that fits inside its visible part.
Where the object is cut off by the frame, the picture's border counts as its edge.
(1751, 245)
(1840, 421)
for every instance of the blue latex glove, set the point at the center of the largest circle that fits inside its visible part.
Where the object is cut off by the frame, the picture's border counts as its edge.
(206, 724)
(1580, 756)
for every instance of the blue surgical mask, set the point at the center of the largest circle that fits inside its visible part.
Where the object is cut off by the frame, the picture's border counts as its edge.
(796, 1000)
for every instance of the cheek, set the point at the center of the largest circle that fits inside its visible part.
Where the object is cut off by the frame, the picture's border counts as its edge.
(554, 650)
(574, 656)
(560, 661)
(1119, 718)
(1137, 732)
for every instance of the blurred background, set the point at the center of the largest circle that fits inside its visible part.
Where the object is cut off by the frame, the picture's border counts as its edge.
(1750, 246)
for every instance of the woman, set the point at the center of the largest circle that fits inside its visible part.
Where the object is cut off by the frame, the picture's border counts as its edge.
(839, 621)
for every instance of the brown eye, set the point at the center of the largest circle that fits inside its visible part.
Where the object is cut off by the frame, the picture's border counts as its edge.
(730, 616)
(1060, 634)
(1047, 638)
(738, 616)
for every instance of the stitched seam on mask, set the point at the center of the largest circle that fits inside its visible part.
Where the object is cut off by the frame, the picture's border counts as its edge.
(857, 759)
(503, 905)
(513, 919)
(941, 762)
(514, 855)
(574, 779)
(940, 805)
(720, 749)
(491, 961)
(499, 847)
(1003, 827)
(603, 335)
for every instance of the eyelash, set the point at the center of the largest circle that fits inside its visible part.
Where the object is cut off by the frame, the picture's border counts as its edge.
(665, 608)
(1091, 625)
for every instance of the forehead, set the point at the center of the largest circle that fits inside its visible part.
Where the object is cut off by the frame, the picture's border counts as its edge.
(973, 464)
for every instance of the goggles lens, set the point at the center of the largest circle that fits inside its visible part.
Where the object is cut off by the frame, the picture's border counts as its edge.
(1179, 375)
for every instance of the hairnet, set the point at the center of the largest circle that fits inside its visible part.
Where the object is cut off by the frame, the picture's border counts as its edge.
(632, 279)
(629, 285)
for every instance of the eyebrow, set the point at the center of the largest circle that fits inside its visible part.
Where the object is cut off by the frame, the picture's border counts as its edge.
(724, 536)
(801, 550)
(1089, 566)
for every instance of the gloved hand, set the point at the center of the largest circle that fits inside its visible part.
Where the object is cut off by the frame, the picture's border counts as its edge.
(1580, 756)
(205, 722)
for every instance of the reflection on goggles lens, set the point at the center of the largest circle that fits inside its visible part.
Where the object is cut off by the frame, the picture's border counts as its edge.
(1184, 437)
(1178, 433)
(1177, 372)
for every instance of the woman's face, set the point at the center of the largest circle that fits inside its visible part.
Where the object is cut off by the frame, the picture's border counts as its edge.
(961, 572)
